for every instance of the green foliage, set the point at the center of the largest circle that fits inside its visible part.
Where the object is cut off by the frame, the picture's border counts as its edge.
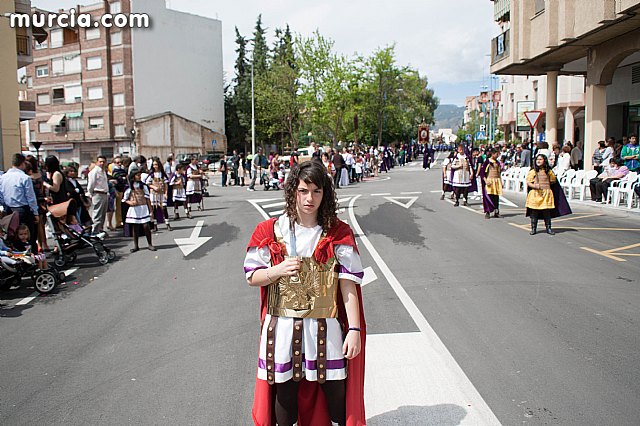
(303, 85)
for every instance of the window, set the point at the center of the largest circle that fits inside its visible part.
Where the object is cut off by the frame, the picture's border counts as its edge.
(58, 95)
(94, 63)
(43, 99)
(92, 33)
(116, 38)
(29, 82)
(118, 99)
(42, 71)
(56, 38)
(32, 135)
(539, 6)
(120, 130)
(116, 68)
(74, 122)
(43, 45)
(96, 123)
(73, 93)
(43, 127)
(115, 7)
(107, 152)
(94, 93)
(72, 65)
(57, 66)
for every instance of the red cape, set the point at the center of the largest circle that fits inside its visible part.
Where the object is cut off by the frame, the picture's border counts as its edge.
(311, 403)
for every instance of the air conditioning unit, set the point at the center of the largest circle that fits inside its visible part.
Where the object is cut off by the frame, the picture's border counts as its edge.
(59, 130)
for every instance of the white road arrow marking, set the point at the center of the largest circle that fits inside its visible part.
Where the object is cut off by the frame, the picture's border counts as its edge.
(369, 276)
(401, 204)
(506, 202)
(193, 243)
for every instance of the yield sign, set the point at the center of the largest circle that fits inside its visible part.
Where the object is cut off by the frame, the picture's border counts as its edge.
(533, 117)
(406, 204)
(193, 243)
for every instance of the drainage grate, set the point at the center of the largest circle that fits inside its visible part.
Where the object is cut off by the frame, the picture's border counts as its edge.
(635, 75)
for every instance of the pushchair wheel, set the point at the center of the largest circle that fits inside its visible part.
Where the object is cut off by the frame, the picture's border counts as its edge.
(45, 281)
(60, 260)
(103, 255)
(111, 254)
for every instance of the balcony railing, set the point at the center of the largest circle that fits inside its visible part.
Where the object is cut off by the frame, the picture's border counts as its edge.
(23, 45)
(500, 47)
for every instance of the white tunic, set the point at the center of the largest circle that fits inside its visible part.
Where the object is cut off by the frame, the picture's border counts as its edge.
(462, 176)
(350, 268)
(137, 214)
(194, 186)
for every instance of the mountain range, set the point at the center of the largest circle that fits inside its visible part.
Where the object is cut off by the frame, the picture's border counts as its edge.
(448, 117)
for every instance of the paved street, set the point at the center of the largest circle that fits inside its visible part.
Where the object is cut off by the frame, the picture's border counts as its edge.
(470, 321)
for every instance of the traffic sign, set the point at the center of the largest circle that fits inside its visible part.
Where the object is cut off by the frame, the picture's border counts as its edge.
(480, 136)
(533, 117)
(468, 137)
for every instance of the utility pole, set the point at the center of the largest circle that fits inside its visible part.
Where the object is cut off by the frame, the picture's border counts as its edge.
(253, 114)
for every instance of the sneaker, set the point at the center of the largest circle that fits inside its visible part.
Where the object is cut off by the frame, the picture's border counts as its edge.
(442, 197)
(250, 189)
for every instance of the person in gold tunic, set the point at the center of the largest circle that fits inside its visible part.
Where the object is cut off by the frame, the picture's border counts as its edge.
(540, 199)
(491, 184)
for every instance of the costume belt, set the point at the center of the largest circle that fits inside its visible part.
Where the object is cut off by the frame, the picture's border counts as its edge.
(312, 293)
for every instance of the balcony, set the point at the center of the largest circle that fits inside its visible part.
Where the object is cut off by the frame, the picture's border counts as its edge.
(23, 50)
(27, 110)
(500, 47)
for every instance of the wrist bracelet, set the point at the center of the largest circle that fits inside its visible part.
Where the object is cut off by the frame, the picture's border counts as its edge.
(354, 328)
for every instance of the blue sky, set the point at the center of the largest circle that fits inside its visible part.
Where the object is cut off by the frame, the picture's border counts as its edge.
(447, 40)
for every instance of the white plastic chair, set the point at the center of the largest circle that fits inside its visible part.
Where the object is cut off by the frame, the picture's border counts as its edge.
(582, 189)
(567, 179)
(613, 193)
(577, 182)
(521, 180)
(511, 181)
(625, 190)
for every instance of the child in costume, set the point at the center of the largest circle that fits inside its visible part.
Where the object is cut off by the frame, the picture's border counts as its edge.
(544, 198)
(491, 184)
(306, 263)
(157, 181)
(139, 212)
(178, 193)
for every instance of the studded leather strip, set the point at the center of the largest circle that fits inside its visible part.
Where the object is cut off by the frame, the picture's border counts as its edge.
(322, 350)
(271, 354)
(296, 345)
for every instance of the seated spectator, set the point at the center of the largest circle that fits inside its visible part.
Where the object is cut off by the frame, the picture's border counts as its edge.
(600, 185)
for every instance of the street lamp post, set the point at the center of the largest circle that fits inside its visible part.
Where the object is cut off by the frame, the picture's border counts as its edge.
(253, 114)
(37, 146)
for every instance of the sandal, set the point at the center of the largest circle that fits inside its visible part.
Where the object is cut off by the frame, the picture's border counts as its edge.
(133, 250)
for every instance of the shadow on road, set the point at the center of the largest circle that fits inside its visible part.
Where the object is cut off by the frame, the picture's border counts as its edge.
(413, 415)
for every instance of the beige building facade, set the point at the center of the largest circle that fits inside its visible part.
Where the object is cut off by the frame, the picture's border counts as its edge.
(596, 39)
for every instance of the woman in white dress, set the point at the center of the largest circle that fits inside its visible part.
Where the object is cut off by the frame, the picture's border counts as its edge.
(462, 175)
(139, 212)
(194, 185)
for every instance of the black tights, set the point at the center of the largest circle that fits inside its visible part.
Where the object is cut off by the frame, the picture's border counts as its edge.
(136, 230)
(495, 199)
(287, 401)
(546, 214)
(461, 191)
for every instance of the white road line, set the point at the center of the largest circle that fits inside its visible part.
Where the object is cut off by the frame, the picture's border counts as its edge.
(431, 361)
(411, 193)
(381, 194)
(406, 205)
(35, 294)
(436, 192)
(266, 206)
(507, 202)
(369, 276)
(255, 204)
(276, 213)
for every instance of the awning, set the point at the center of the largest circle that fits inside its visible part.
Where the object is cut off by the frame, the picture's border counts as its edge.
(39, 34)
(55, 119)
(74, 115)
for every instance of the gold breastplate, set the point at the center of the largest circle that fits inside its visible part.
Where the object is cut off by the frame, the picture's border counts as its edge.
(543, 179)
(177, 183)
(312, 293)
(159, 184)
(138, 198)
(494, 171)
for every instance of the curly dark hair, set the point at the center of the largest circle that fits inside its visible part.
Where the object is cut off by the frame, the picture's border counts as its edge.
(312, 172)
(546, 167)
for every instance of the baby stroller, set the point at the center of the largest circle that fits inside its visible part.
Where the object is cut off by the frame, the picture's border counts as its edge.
(271, 182)
(68, 239)
(16, 265)
(205, 188)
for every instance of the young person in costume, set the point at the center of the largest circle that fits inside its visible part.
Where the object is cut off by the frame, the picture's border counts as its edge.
(306, 263)
(158, 183)
(491, 184)
(461, 175)
(194, 185)
(139, 212)
(177, 192)
(446, 175)
(545, 197)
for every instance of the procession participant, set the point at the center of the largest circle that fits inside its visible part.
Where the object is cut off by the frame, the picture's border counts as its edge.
(177, 195)
(308, 379)
(491, 184)
(461, 175)
(138, 214)
(194, 185)
(446, 175)
(427, 156)
(545, 198)
(158, 183)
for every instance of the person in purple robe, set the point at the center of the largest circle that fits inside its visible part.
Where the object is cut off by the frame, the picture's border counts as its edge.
(491, 184)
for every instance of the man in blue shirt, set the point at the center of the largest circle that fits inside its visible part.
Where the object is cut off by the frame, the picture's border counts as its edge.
(17, 195)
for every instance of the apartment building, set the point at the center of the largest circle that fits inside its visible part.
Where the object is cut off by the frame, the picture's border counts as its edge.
(598, 40)
(92, 85)
(15, 53)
